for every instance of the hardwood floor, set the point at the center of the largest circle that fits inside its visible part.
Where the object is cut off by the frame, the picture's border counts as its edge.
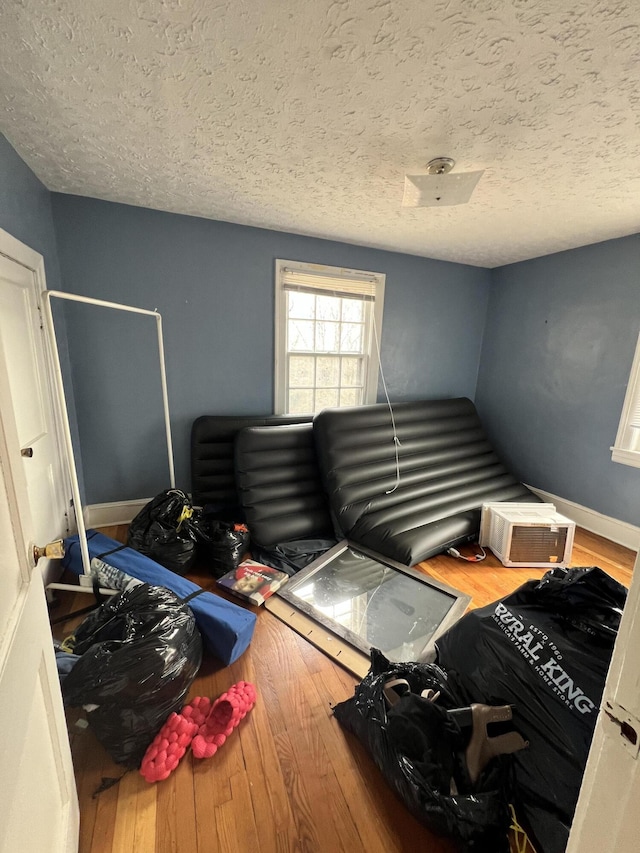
(289, 778)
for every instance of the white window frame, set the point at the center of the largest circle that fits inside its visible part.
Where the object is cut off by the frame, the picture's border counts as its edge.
(627, 445)
(370, 389)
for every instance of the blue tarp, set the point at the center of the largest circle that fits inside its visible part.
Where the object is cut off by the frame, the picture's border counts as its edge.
(226, 628)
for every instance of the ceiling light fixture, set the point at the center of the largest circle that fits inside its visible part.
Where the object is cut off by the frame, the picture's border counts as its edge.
(440, 166)
(439, 188)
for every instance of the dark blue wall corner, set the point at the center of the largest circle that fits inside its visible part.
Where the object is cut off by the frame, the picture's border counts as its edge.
(559, 343)
(213, 283)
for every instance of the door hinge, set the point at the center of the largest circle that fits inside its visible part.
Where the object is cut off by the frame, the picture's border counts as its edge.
(628, 724)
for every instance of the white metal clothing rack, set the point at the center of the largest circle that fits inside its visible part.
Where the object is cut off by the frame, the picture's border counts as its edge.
(57, 371)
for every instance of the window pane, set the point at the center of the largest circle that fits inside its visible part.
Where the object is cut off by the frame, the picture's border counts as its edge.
(352, 310)
(327, 337)
(300, 335)
(301, 371)
(351, 371)
(328, 372)
(326, 397)
(301, 305)
(323, 340)
(351, 337)
(328, 308)
(300, 402)
(350, 397)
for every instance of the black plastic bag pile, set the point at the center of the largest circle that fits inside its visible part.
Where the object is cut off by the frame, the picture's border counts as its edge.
(164, 530)
(546, 650)
(175, 534)
(419, 765)
(139, 654)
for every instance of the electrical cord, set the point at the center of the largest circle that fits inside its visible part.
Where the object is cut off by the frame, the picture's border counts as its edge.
(476, 558)
(396, 440)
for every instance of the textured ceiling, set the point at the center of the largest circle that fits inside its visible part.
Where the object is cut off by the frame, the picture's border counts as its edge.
(305, 116)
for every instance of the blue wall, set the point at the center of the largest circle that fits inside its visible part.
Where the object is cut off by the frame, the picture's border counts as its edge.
(559, 342)
(25, 210)
(213, 284)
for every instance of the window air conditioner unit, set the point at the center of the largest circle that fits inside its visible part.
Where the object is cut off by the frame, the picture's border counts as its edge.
(527, 534)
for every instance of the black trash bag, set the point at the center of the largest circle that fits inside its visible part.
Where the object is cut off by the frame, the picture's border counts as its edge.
(163, 530)
(139, 654)
(222, 545)
(545, 649)
(419, 749)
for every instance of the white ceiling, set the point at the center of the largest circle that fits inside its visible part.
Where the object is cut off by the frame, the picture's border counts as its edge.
(305, 115)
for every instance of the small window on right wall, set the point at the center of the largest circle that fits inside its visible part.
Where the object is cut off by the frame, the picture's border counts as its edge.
(627, 446)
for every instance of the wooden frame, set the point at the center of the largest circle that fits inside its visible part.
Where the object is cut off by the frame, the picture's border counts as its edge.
(347, 647)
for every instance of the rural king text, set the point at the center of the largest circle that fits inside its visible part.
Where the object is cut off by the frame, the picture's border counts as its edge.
(532, 644)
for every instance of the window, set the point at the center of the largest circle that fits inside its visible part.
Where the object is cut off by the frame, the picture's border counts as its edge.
(627, 446)
(328, 322)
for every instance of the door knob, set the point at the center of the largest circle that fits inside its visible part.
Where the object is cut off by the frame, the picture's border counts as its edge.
(53, 550)
(27, 451)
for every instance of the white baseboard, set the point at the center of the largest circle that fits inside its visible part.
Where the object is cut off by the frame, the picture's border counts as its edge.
(611, 528)
(119, 512)
(122, 512)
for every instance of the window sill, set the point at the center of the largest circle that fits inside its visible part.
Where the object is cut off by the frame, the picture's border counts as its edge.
(626, 457)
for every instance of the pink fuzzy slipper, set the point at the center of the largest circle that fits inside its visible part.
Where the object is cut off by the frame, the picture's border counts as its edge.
(167, 748)
(197, 710)
(226, 713)
(172, 741)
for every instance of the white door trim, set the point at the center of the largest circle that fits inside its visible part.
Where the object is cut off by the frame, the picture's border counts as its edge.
(27, 257)
(23, 254)
(606, 816)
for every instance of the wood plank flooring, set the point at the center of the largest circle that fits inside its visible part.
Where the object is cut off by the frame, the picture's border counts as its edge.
(289, 779)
